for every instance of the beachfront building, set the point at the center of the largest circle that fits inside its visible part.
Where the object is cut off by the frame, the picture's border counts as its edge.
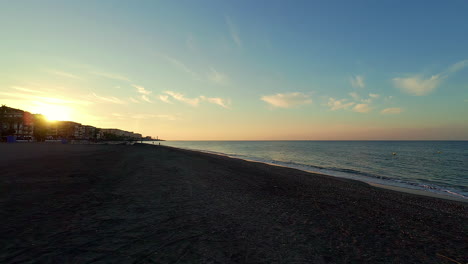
(67, 129)
(20, 124)
(16, 122)
(114, 133)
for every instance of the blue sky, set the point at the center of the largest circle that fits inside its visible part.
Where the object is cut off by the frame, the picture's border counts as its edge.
(242, 69)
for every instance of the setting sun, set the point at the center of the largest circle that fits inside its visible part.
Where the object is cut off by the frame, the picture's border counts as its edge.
(54, 112)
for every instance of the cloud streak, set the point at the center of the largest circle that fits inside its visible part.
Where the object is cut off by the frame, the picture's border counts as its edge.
(109, 99)
(357, 81)
(362, 108)
(335, 104)
(63, 74)
(233, 32)
(217, 77)
(141, 89)
(194, 101)
(287, 100)
(419, 85)
(216, 100)
(416, 85)
(111, 76)
(180, 65)
(392, 110)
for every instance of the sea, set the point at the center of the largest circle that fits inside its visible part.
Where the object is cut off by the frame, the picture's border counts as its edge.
(434, 166)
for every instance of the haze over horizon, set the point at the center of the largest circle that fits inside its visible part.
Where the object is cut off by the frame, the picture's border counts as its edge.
(242, 70)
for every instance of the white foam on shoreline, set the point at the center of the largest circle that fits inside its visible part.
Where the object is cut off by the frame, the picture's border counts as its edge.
(392, 184)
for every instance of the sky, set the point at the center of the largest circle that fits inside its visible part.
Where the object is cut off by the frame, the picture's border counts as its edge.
(242, 70)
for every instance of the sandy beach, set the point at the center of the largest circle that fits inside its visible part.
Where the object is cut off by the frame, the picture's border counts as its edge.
(155, 204)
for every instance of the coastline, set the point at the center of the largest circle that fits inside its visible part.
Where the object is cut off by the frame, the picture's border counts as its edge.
(143, 203)
(428, 193)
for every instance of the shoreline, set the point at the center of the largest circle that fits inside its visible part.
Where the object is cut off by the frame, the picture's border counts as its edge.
(144, 203)
(420, 192)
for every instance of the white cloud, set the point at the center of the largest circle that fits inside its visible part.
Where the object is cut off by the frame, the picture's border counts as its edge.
(233, 32)
(182, 98)
(63, 74)
(339, 104)
(109, 99)
(164, 98)
(374, 95)
(144, 97)
(194, 101)
(287, 100)
(133, 100)
(111, 76)
(217, 77)
(362, 108)
(141, 89)
(216, 100)
(392, 110)
(27, 90)
(357, 81)
(416, 85)
(457, 66)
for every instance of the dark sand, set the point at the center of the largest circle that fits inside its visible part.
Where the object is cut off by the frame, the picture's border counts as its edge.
(151, 204)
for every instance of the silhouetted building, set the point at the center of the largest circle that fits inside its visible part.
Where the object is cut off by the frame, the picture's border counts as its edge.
(16, 122)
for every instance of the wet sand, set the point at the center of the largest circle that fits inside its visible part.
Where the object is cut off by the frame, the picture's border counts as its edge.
(154, 204)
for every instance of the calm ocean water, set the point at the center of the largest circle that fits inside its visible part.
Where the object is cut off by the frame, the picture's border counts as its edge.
(434, 166)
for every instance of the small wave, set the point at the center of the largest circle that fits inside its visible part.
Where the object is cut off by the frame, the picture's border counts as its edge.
(345, 173)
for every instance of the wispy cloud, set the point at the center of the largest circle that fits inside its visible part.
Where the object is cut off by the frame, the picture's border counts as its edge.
(419, 85)
(194, 101)
(217, 77)
(392, 110)
(108, 99)
(62, 74)
(362, 108)
(335, 104)
(44, 99)
(416, 85)
(357, 81)
(164, 98)
(146, 116)
(133, 100)
(374, 95)
(287, 100)
(27, 90)
(181, 97)
(111, 76)
(180, 65)
(233, 31)
(457, 66)
(216, 100)
(141, 89)
(145, 98)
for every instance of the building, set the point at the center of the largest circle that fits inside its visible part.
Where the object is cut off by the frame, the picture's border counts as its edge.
(20, 124)
(16, 122)
(114, 133)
